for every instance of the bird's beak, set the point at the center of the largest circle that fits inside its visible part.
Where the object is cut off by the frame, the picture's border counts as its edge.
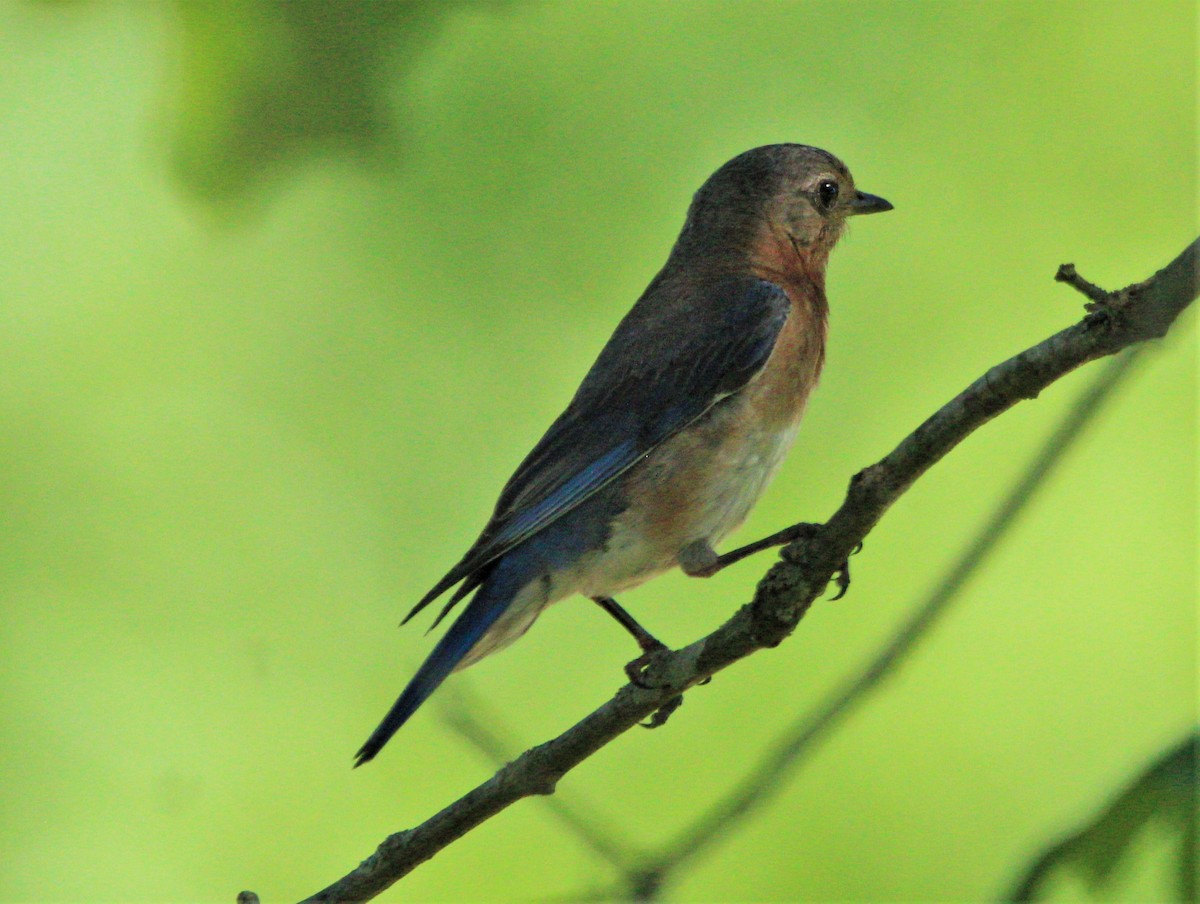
(864, 203)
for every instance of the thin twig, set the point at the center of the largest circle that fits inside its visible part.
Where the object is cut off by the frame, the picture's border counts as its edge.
(763, 782)
(1067, 274)
(1134, 315)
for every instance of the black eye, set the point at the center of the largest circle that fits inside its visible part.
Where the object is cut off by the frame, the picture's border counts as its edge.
(827, 193)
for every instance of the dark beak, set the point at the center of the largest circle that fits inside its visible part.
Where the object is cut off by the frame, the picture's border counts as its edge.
(864, 203)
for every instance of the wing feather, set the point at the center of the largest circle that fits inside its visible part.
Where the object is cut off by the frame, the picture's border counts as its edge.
(674, 356)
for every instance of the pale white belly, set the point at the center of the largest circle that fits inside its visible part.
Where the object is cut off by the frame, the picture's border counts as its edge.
(669, 508)
(742, 472)
(678, 508)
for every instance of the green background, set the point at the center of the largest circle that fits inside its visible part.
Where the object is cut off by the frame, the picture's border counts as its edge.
(259, 389)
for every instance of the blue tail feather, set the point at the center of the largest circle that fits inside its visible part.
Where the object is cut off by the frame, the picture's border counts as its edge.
(578, 532)
(492, 600)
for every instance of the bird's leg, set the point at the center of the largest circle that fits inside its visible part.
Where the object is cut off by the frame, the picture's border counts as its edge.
(647, 641)
(635, 669)
(699, 560)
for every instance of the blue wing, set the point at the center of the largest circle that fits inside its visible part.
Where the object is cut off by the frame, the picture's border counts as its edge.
(681, 349)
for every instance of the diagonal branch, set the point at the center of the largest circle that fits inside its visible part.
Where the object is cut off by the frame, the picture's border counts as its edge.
(461, 713)
(1140, 312)
(762, 783)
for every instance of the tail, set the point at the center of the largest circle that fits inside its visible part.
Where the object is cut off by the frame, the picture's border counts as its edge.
(492, 600)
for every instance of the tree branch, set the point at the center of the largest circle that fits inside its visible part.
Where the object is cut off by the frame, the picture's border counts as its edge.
(761, 783)
(462, 714)
(1115, 321)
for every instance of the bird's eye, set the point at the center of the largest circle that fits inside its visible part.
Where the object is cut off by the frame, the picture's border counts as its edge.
(827, 193)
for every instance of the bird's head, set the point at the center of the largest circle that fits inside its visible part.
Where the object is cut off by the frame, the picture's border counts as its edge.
(782, 205)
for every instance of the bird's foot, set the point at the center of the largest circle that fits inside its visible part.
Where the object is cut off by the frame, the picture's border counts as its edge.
(660, 715)
(636, 672)
(841, 577)
(635, 669)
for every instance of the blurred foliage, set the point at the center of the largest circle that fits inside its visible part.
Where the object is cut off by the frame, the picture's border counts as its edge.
(262, 81)
(232, 459)
(1166, 794)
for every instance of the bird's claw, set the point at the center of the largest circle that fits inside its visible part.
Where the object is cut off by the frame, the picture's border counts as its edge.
(663, 713)
(841, 577)
(635, 669)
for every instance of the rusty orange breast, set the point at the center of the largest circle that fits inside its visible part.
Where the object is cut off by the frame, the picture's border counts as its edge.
(780, 392)
(702, 482)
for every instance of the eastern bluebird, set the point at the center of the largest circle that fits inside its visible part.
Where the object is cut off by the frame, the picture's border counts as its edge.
(679, 425)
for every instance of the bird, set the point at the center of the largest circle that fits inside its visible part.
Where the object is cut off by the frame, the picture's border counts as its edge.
(676, 429)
